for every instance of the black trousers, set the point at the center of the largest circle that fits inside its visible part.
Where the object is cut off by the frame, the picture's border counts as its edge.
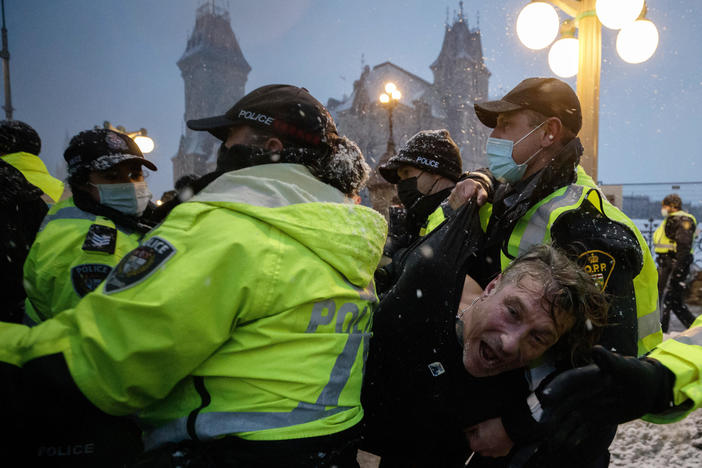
(335, 450)
(672, 289)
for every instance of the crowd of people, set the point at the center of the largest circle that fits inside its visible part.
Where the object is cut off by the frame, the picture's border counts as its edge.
(261, 316)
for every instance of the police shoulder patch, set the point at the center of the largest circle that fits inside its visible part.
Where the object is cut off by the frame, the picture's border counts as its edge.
(88, 276)
(599, 265)
(139, 264)
(100, 239)
(687, 225)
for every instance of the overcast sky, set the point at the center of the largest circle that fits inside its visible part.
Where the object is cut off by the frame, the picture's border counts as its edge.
(77, 63)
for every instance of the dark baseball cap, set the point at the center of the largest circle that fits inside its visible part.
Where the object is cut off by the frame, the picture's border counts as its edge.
(550, 97)
(431, 151)
(100, 149)
(285, 110)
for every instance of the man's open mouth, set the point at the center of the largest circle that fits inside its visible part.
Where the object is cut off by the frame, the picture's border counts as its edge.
(488, 355)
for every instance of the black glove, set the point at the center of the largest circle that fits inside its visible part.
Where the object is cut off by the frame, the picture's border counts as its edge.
(614, 390)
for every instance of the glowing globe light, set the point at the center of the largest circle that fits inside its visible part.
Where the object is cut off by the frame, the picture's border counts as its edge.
(384, 98)
(637, 41)
(563, 57)
(145, 144)
(390, 88)
(615, 14)
(396, 95)
(537, 25)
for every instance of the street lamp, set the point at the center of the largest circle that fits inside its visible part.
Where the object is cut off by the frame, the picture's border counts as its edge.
(636, 42)
(389, 99)
(145, 143)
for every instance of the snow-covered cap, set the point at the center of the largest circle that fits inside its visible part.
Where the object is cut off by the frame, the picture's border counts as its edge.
(432, 151)
(17, 136)
(100, 149)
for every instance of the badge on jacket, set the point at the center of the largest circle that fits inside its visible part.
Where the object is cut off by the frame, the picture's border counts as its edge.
(599, 265)
(139, 264)
(100, 239)
(88, 276)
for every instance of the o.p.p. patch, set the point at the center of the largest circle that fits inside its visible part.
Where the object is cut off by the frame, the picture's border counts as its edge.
(599, 265)
(139, 264)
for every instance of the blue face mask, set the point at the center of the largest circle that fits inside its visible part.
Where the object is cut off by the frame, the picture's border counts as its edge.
(129, 198)
(500, 161)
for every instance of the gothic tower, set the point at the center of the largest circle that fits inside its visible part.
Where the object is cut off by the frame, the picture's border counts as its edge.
(215, 72)
(461, 79)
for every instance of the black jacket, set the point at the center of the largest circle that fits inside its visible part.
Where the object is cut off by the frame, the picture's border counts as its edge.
(681, 229)
(22, 211)
(417, 396)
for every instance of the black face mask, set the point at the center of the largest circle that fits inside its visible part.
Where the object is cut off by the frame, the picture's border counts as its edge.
(408, 193)
(241, 156)
(418, 205)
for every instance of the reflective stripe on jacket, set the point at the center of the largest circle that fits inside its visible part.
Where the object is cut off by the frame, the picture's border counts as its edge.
(246, 312)
(682, 355)
(61, 267)
(535, 228)
(661, 243)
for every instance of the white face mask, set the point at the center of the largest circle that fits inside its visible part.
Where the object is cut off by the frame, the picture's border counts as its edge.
(130, 198)
(664, 212)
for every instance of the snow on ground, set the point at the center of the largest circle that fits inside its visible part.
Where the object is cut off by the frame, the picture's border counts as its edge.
(644, 445)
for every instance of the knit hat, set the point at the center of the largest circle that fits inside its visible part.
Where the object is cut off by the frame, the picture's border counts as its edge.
(285, 110)
(16, 136)
(100, 149)
(550, 97)
(429, 150)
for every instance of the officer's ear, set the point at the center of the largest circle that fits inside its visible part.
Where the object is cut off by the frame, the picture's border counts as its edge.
(273, 145)
(552, 131)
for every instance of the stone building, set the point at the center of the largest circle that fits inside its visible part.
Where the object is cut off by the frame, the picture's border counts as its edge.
(215, 72)
(460, 79)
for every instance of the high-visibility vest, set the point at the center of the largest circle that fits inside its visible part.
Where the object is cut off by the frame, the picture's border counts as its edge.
(34, 170)
(535, 228)
(682, 355)
(436, 217)
(661, 243)
(247, 312)
(73, 252)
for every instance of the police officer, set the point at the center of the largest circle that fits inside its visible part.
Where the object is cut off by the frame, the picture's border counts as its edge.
(672, 243)
(425, 170)
(237, 332)
(20, 146)
(663, 387)
(542, 194)
(22, 208)
(83, 237)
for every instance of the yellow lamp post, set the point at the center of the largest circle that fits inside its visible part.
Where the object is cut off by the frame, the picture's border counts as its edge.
(389, 100)
(537, 27)
(144, 142)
